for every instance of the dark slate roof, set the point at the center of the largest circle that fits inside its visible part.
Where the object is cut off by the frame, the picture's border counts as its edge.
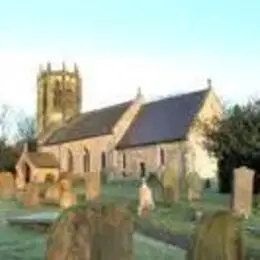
(93, 123)
(43, 160)
(164, 120)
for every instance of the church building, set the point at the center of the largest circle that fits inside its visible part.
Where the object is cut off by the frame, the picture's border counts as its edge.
(121, 138)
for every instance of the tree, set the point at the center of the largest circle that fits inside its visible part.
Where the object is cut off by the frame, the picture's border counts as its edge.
(7, 154)
(235, 141)
(5, 113)
(26, 130)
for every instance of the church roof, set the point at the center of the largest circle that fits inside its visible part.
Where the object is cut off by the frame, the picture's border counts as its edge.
(89, 124)
(43, 160)
(164, 120)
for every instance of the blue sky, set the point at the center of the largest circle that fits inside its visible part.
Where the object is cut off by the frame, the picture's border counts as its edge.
(163, 46)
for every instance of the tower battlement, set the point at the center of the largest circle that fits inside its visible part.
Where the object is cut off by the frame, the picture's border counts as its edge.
(58, 95)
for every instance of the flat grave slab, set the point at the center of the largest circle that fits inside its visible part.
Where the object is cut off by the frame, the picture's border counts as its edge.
(41, 220)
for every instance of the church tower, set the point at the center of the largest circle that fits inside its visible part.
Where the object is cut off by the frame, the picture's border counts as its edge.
(58, 96)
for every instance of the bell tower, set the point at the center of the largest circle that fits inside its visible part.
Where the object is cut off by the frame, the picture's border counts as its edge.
(58, 96)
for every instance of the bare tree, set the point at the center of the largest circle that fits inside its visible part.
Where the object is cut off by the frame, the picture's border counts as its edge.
(26, 127)
(5, 113)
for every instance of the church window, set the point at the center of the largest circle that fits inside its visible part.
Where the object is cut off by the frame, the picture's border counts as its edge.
(57, 94)
(86, 160)
(70, 162)
(124, 161)
(44, 97)
(103, 160)
(162, 157)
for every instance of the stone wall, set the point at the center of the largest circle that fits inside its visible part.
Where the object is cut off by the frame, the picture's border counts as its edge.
(95, 147)
(150, 155)
(41, 173)
(198, 159)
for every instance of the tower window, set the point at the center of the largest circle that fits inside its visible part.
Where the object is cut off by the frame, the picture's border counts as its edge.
(44, 97)
(57, 94)
(162, 157)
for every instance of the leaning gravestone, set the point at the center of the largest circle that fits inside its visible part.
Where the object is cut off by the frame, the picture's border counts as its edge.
(92, 232)
(194, 186)
(156, 185)
(93, 183)
(242, 196)
(171, 183)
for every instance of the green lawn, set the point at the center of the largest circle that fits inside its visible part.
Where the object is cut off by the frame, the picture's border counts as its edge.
(176, 217)
(21, 244)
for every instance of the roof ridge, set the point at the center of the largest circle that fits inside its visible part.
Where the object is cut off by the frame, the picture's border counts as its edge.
(106, 107)
(79, 116)
(180, 95)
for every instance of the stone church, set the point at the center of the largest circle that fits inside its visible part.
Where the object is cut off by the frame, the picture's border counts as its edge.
(122, 138)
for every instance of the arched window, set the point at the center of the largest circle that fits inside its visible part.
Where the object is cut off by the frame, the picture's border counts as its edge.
(70, 162)
(124, 161)
(162, 157)
(57, 94)
(44, 97)
(103, 160)
(86, 160)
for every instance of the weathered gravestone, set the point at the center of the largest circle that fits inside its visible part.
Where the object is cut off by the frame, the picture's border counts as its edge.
(194, 186)
(31, 196)
(171, 183)
(91, 232)
(156, 185)
(242, 196)
(7, 185)
(93, 185)
(52, 194)
(146, 202)
(217, 236)
(67, 197)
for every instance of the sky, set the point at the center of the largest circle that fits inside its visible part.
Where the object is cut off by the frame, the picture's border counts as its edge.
(164, 47)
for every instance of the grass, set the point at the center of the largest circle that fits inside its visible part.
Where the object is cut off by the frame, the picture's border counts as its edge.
(146, 248)
(175, 217)
(21, 244)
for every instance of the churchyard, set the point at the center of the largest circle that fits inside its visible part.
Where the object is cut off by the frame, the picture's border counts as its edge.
(164, 234)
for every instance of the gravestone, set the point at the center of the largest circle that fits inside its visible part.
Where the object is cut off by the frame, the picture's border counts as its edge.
(92, 232)
(93, 186)
(157, 187)
(217, 236)
(31, 196)
(146, 202)
(242, 195)
(171, 183)
(67, 197)
(194, 186)
(52, 194)
(7, 185)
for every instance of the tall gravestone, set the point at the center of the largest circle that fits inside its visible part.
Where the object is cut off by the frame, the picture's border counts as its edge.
(93, 185)
(92, 232)
(171, 183)
(242, 195)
